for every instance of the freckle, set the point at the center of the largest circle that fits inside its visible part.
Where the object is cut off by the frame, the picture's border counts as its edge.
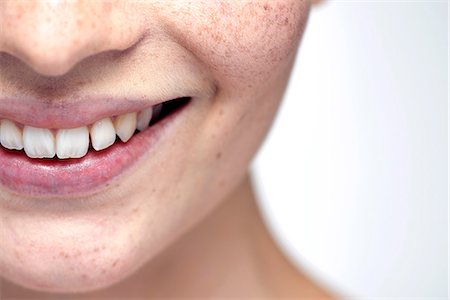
(96, 249)
(219, 155)
(17, 254)
(115, 263)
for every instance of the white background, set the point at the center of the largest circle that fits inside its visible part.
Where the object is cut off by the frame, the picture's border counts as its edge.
(353, 176)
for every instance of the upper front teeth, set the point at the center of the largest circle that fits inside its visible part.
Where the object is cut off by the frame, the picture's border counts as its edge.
(38, 142)
(74, 142)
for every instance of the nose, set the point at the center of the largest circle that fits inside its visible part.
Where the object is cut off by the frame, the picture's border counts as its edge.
(52, 36)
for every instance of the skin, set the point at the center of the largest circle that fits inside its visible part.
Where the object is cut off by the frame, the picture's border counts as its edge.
(186, 217)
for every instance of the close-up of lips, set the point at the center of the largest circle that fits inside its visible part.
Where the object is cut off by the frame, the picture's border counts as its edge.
(127, 134)
(44, 161)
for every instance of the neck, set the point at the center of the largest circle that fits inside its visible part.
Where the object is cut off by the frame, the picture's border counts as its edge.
(228, 254)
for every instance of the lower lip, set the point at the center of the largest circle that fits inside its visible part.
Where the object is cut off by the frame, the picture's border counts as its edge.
(74, 177)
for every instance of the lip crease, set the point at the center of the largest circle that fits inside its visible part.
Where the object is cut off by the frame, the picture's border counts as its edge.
(74, 177)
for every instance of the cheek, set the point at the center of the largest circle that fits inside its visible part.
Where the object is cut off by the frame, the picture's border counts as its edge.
(232, 133)
(242, 40)
(249, 47)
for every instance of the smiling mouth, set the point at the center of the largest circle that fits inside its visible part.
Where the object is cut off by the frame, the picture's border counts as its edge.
(76, 142)
(71, 162)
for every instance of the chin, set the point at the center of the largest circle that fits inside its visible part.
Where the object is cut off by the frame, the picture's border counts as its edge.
(76, 262)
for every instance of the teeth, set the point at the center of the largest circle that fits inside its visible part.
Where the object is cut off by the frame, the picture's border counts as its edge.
(38, 142)
(103, 134)
(72, 143)
(125, 126)
(143, 119)
(10, 135)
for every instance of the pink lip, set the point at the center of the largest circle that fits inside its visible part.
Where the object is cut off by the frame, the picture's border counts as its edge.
(83, 112)
(40, 177)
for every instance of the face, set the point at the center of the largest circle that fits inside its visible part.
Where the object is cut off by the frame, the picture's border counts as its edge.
(76, 73)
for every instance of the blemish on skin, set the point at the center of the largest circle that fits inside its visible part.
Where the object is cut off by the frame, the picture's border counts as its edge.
(115, 263)
(219, 155)
(64, 254)
(135, 211)
(242, 117)
(18, 256)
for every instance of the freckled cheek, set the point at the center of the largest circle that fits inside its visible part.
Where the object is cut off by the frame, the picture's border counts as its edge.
(257, 53)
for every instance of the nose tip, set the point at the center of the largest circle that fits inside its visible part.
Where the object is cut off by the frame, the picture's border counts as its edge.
(51, 37)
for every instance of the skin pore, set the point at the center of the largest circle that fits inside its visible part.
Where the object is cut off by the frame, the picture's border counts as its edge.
(184, 223)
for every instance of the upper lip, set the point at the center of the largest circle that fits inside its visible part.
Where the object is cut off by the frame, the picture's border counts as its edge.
(61, 114)
(81, 109)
